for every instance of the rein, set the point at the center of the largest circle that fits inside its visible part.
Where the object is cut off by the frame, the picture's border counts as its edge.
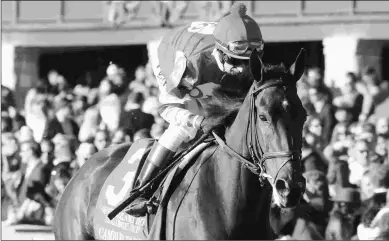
(257, 163)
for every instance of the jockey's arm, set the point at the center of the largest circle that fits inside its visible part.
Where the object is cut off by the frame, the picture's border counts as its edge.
(173, 110)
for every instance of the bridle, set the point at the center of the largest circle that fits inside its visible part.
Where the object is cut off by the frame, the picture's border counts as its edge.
(258, 156)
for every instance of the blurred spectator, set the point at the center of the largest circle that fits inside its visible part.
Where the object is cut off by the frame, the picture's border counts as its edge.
(110, 111)
(135, 101)
(382, 131)
(151, 81)
(121, 135)
(63, 149)
(381, 220)
(374, 92)
(133, 117)
(117, 76)
(139, 83)
(347, 201)
(360, 157)
(17, 122)
(364, 231)
(4, 111)
(368, 228)
(37, 115)
(83, 153)
(157, 129)
(314, 132)
(350, 99)
(90, 124)
(378, 176)
(79, 106)
(6, 124)
(63, 87)
(25, 134)
(325, 112)
(340, 227)
(315, 81)
(151, 105)
(11, 164)
(382, 127)
(101, 140)
(316, 196)
(47, 148)
(344, 119)
(7, 97)
(294, 223)
(60, 176)
(62, 122)
(381, 150)
(142, 133)
(34, 171)
(105, 88)
(315, 170)
(338, 176)
(52, 77)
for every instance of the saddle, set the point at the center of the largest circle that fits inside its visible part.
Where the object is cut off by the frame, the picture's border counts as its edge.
(153, 190)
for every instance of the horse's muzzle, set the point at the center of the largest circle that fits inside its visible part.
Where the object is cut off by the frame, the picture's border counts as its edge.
(289, 196)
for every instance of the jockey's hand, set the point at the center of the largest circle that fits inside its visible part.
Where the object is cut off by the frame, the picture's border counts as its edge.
(206, 125)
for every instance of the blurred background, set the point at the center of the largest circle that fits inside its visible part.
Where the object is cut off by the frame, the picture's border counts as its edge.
(77, 77)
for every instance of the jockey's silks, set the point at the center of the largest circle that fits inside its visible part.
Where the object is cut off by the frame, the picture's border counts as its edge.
(195, 42)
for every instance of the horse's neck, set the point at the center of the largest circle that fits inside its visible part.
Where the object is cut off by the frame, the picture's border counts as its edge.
(236, 135)
(245, 202)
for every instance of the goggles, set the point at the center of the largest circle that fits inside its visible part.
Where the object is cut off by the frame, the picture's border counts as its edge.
(242, 49)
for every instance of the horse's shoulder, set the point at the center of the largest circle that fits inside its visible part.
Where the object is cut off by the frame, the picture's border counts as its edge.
(111, 152)
(206, 154)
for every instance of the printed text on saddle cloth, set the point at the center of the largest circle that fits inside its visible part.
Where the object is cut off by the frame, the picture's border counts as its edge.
(115, 190)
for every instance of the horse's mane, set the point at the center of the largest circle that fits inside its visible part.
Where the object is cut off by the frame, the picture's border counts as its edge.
(227, 99)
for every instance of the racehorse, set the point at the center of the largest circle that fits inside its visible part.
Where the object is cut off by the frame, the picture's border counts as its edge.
(228, 195)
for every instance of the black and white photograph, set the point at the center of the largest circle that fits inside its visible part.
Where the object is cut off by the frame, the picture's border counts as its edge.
(195, 120)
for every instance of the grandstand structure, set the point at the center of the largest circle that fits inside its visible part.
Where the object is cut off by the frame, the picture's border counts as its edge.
(347, 35)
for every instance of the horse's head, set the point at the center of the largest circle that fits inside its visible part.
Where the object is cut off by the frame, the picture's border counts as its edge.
(275, 127)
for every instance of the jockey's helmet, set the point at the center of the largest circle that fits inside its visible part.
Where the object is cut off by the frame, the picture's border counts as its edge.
(237, 34)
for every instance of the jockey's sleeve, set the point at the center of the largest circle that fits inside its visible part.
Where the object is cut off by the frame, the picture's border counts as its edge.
(177, 114)
(173, 109)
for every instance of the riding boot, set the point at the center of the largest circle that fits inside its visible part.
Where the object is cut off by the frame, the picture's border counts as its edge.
(157, 159)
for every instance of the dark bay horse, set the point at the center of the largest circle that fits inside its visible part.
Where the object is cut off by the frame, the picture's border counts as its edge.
(228, 195)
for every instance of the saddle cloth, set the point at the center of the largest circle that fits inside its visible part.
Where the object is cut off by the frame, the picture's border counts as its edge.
(117, 187)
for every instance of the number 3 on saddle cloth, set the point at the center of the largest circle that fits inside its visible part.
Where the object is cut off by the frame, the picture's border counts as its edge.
(117, 188)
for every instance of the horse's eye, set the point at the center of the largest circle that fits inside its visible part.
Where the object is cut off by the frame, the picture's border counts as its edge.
(263, 118)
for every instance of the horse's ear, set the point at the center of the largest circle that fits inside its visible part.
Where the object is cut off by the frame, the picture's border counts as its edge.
(256, 66)
(298, 67)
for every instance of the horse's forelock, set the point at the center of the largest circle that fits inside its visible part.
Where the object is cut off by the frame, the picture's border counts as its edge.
(273, 71)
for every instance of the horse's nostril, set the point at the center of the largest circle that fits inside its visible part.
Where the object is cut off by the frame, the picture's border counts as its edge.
(282, 187)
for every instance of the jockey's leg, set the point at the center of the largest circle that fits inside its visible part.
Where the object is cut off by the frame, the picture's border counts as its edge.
(160, 155)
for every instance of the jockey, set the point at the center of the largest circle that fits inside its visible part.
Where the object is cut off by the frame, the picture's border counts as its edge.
(192, 56)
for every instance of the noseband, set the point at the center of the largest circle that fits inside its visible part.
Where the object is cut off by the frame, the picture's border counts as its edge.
(258, 159)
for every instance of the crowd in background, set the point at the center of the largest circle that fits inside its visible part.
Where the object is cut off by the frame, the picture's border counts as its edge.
(345, 148)
(60, 127)
(345, 159)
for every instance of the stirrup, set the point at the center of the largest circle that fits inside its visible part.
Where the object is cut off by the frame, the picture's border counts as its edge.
(143, 206)
(138, 208)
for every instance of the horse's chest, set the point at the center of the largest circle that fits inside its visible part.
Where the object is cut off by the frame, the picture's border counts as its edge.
(115, 189)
